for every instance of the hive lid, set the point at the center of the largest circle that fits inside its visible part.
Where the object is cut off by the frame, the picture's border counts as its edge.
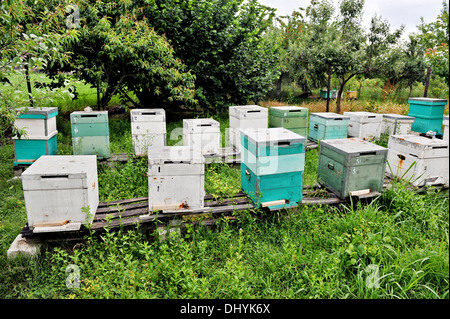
(272, 136)
(398, 117)
(288, 111)
(427, 100)
(364, 116)
(89, 117)
(331, 115)
(248, 111)
(419, 144)
(37, 112)
(353, 147)
(57, 172)
(174, 155)
(147, 115)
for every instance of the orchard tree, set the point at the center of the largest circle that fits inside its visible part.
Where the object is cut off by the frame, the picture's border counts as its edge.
(31, 34)
(118, 52)
(223, 44)
(435, 37)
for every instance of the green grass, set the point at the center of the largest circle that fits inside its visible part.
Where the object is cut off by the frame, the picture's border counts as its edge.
(310, 252)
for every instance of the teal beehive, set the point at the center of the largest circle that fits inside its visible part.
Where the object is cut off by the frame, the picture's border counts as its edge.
(429, 114)
(40, 134)
(272, 165)
(90, 133)
(327, 125)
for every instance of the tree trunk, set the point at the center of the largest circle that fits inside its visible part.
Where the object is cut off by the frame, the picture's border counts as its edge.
(328, 88)
(279, 82)
(410, 91)
(427, 82)
(359, 90)
(98, 97)
(339, 94)
(30, 93)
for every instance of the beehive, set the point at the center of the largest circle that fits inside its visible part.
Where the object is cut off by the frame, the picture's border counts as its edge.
(445, 124)
(428, 112)
(272, 165)
(364, 125)
(243, 117)
(293, 118)
(40, 136)
(61, 189)
(352, 164)
(418, 159)
(90, 133)
(176, 178)
(202, 135)
(396, 124)
(327, 125)
(351, 95)
(148, 129)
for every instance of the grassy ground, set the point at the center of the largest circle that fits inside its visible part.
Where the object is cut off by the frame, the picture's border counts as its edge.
(396, 247)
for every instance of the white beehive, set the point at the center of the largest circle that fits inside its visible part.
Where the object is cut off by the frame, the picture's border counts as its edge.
(148, 129)
(59, 189)
(202, 135)
(176, 178)
(445, 123)
(418, 159)
(396, 124)
(243, 117)
(38, 123)
(364, 125)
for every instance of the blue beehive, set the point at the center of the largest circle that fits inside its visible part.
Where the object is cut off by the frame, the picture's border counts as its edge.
(272, 165)
(327, 125)
(429, 114)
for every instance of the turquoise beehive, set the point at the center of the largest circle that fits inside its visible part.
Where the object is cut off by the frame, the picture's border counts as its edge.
(327, 125)
(39, 126)
(429, 114)
(272, 165)
(90, 133)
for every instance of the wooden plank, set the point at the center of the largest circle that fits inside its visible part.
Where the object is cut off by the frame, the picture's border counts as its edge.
(121, 214)
(123, 201)
(108, 209)
(273, 203)
(51, 224)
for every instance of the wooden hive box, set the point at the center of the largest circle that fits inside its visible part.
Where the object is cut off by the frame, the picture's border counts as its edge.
(29, 149)
(349, 165)
(364, 125)
(272, 165)
(293, 118)
(396, 124)
(90, 133)
(418, 159)
(202, 135)
(38, 122)
(429, 114)
(60, 190)
(244, 117)
(445, 124)
(148, 129)
(327, 125)
(176, 178)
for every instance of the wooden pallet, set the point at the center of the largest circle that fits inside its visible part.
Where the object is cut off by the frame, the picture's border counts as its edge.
(130, 212)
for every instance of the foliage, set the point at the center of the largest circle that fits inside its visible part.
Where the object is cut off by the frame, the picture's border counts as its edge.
(435, 36)
(118, 52)
(31, 33)
(222, 43)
